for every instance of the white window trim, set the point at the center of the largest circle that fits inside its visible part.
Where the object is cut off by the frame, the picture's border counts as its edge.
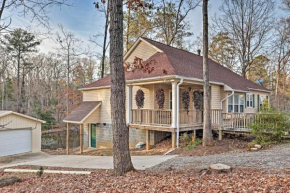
(249, 94)
(239, 105)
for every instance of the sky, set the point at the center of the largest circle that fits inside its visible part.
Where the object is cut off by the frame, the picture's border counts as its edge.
(85, 21)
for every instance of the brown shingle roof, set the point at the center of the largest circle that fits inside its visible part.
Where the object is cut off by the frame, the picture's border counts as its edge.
(82, 111)
(183, 63)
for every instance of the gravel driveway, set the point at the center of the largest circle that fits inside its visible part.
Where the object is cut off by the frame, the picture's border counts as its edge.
(276, 158)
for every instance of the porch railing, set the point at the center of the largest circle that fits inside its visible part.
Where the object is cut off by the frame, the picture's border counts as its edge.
(218, 118)
(151, 117)
(190, 117)
(238, 120)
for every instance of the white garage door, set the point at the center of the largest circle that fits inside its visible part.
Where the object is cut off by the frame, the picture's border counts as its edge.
(15, 142)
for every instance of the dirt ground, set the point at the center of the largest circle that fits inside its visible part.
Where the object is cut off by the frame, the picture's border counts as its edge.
(228, 144)
(238, 180)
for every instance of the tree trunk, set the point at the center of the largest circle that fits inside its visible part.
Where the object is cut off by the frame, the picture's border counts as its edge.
(105, 41)
(207, 133)
(22, 94)
(122, 158)
(18, 81)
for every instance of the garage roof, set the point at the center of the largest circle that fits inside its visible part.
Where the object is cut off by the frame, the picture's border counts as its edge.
(5, 113)
(83, 111)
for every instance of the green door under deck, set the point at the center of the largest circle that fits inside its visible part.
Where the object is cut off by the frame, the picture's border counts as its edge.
(93, 136)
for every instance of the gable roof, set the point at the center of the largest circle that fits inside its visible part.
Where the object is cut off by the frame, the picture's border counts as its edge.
(185, 64)
(4, 113)
(83, 111)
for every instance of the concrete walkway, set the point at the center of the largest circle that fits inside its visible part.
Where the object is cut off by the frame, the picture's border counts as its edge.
(81, 161)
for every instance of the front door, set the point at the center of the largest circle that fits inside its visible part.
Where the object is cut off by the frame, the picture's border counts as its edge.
(93, 136)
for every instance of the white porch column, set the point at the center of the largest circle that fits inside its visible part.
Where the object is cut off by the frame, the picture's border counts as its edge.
(174, 113)
(130, 104)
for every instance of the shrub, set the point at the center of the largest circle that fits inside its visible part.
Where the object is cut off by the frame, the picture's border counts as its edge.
(160, 98)
(193, 144)
(269, 125)
(140, 97)
(40, 171)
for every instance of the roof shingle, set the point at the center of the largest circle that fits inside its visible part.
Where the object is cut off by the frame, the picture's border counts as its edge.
(183, 63)
(79, 113)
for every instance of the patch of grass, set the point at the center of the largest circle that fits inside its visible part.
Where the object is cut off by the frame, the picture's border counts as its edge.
(191, 145)
(8, 181)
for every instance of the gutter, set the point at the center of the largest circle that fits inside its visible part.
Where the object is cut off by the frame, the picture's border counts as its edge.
(233, 92)
(177, 111)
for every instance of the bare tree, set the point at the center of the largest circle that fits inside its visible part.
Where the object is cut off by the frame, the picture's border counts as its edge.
(207, 132)
(68, 49)
(122, 159)
(171, 21)
(104, 9)
(36, 10)
(281, 57)
(247, 23)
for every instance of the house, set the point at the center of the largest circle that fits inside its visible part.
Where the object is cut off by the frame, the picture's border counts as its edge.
(19, 134)
(234, 99)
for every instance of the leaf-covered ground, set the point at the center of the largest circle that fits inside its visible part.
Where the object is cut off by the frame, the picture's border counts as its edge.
(239, 180)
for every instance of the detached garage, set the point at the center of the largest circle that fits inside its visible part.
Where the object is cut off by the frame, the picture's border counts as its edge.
(19, 133)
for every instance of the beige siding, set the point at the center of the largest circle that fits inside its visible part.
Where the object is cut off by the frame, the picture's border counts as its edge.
(142, 50)
(247, 110)
(94, 117)
(18, 122)
(100, 95)
(215, 97)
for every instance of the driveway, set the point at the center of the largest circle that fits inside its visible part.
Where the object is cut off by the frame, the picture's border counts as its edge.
(276, 158)
(81, 161)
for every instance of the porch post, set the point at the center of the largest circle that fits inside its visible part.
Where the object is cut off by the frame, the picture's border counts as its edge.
(173, 140)
(147, 140)
(81, 138)
(174, 113)
(67, 138)
(220, 134)
(130, 104)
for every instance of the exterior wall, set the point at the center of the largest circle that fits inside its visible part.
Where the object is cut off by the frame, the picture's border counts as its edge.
(86, 135)
(100, 95)
(104, 136)
(21, 122)
(215, 97)
(247, 109)
(94, 117)
(142, 50)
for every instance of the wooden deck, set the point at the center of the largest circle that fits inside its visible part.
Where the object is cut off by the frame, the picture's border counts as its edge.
(160, 120)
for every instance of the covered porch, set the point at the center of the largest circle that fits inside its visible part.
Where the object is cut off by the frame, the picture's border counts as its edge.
(84, 115)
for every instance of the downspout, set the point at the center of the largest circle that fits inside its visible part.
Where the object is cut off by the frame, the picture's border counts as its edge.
(177, 111)
(233, 92)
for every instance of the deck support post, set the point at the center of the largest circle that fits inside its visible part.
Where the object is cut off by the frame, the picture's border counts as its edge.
(194, 135)
(220, 134)
(67, 138)
(174, 104)
(173, 139)
(147, 140)
(130, 104)
(81, 138)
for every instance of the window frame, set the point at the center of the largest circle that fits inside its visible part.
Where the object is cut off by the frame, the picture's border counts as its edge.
(239, 104)
(251, 99)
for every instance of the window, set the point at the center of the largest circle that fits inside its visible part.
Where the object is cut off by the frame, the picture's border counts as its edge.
(250, 100)
(236, 103)
(242, 103)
